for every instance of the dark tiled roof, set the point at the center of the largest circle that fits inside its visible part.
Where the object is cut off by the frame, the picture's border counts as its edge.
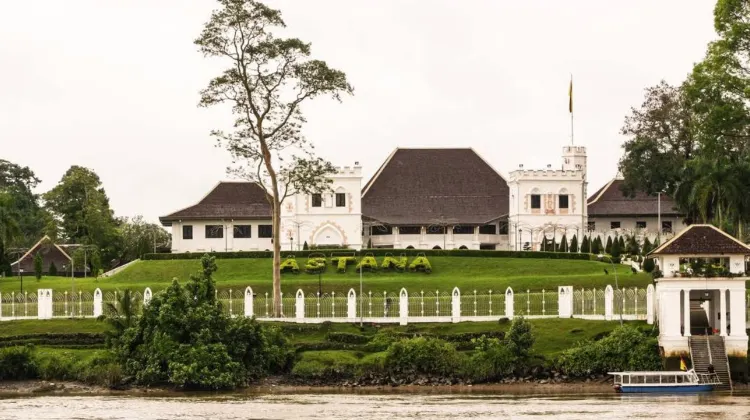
(702, 240)
(228, 200)
(424, 186)
(611, 201)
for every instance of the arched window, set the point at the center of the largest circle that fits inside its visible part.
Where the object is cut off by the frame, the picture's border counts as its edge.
(463, 247)
(410, 247)
(436, 247)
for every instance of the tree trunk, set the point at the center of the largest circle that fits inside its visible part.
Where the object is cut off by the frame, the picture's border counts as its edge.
(276, 220)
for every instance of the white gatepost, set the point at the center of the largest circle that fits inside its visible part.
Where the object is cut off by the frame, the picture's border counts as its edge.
(299, 304)
(650, 304)
(456, 305)
(97, 303)
(351, 305)
(509, 307)
(147, 296)
(44, 303)
(403, 306)
(565, 301)
(249, 302)
(609, 297)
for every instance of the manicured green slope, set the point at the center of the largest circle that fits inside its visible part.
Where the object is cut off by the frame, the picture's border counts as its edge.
(467, 273)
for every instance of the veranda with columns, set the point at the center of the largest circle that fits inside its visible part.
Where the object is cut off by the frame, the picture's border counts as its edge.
(711, 301)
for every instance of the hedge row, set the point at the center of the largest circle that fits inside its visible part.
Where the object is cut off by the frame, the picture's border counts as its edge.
(55, 339)
(379, 252)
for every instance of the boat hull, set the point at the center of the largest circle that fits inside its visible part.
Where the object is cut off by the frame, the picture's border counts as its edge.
(673, 389)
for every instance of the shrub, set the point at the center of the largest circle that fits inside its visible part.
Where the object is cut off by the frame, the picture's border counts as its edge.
(290, 265)
(422, 355)
(100, 370)
(60, 367)
(649, 265)
(17, 363)
(491, 360)
(393, 263)
(372, 364)
(343, 262)
(52, 269)
(368, 263)
(342, 337)
(326, 365)
(519, 337)
(305, 247)
(38, 266)
(421, 263)
(626, 348)
(183, 337)
(380, 342)
(315, 265)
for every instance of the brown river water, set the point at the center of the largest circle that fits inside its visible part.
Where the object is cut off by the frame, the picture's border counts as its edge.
(389, 406)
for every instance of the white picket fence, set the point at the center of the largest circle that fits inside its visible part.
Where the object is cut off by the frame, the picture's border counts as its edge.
(385, 307)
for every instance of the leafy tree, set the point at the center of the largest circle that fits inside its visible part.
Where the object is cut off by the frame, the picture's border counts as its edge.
(265, 83)
(520, 337)
(621, 241)
(596, 246)
(646, 246)
(586, 245)
(120, 315)
(38, 266)
(574, 244)
(649, 265)
(608, 248)
(81, 206)
(184, 338)
(563, 246)
(616, 250)
(52, 269)
(139, 237)
(18, 182)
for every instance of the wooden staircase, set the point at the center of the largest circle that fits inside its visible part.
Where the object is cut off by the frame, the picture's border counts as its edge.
(709, 349)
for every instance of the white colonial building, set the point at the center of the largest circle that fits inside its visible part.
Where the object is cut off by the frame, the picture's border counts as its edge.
(236, 216)
(425, 199)
(548, 203)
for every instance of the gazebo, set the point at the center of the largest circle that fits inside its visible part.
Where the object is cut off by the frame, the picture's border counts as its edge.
(701, 292)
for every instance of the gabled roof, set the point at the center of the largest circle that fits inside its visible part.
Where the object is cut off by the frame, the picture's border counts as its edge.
(611, 201)
(702, 240)
(228, 200)
(422, 186)
(39, 244)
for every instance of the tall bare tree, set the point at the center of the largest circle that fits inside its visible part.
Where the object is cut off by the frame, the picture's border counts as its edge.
(265, 83)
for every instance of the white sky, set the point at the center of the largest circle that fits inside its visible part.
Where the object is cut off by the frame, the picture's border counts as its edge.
(113, 85)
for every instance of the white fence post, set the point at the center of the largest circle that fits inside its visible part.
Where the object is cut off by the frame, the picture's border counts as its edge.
(565, 301)
(456, 305)
(650, 304)
(249, 302)
(300, 304)
(509, 303)
(97, 302)
(351, 305)
(403, 306)
(44, 303)
(147, 296)
(609, 295)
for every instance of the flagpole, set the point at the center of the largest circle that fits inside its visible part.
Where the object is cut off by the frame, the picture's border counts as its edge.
(572, 139)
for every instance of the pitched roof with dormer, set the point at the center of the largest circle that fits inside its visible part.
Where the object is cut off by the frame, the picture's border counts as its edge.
(422, 186)
(702, 240)
(228, 200)
(611, 201)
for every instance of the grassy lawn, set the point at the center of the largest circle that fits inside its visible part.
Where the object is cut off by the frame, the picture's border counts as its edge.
(468, 273)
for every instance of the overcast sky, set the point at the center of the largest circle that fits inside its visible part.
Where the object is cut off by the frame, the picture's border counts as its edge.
(113, 85)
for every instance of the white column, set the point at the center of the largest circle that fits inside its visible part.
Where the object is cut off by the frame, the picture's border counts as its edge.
(609, 296)
(300, 305)
(97, 303)
(351, 305)
(686, 313)
(509, 306)
(737, 308)
(403, 306)
(723, 312)
(147, 295)
(249, 302)
(456, 305)
(650, 304)
(565, 301)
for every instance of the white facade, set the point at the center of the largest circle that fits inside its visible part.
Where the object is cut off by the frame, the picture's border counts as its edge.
(604, 226)
(548, 202)
(204, 234)
(431, 238)
(335, 220)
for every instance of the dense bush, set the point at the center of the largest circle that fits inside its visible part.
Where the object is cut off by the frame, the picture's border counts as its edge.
(290, 265)
(495, 358)
(342, 262)
(324, 365)
(55, 339)
(38, 266)
(626, 348)
(342, 337)
(421, 355)
(649, 265)
(421, 263)
(315, 265)
(394, 263)
(382, 252)
(380, 342)
(184, 338)
(368, 263)
(17, 363)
